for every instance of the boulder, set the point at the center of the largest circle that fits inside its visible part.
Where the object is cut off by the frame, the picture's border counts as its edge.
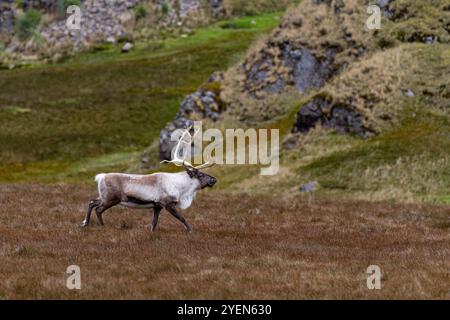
(339, 117)
(309, 187)
(202, 104)
(127, 47)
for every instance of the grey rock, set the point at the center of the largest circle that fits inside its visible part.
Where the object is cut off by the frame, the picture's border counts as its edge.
(409, 93)
(321, 111)
(165, 143)
(383, 3)
(310, 115)
(127, 47)
(217, 8)
(309, 187)
(210, 94)
(6, 17)
(385, 8)
(215, 77)
(207, 99)
(430, 40)
(203, 103)
(308, 72)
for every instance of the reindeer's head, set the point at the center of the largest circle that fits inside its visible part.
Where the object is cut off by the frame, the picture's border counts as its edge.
(205, 179)
(194, 172)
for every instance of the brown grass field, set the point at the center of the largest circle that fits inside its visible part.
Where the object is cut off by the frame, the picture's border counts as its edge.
(242, 247)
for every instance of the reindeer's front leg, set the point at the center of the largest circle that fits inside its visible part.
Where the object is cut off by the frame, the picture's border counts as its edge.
(173, 211)
(92, 204)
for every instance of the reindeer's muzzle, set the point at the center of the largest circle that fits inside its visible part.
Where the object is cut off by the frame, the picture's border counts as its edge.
(212, 182)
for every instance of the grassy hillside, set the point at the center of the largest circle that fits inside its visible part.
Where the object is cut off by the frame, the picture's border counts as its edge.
(396, 79)
(98, 110)
(407, 161)
(411, 160)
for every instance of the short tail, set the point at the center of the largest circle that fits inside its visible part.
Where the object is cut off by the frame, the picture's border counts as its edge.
(99, 177)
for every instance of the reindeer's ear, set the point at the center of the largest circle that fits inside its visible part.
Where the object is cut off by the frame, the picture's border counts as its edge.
(190, 172)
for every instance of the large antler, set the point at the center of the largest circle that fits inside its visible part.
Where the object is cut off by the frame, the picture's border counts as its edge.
(176, 157)
(208, 164)
(181, 162)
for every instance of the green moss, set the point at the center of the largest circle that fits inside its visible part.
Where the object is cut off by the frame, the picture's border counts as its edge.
(27, 24)
(140, 12)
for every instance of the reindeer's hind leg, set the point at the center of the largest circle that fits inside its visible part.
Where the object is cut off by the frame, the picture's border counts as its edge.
(156, 212)
(92, 204)
(99, 217)
(173, 211)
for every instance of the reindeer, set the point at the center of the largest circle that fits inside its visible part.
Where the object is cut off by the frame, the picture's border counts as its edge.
(156, 191)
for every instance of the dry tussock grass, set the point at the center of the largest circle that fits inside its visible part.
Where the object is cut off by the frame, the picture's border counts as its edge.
(340, 25)
(243, 246)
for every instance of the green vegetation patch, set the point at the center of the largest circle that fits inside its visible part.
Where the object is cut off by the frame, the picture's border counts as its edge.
(27, 24)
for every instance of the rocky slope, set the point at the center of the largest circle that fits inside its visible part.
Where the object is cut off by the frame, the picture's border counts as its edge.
(323, 51)
(111, 21)
(102, 20)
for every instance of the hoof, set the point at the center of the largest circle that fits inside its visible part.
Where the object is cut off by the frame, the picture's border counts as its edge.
(84, 225)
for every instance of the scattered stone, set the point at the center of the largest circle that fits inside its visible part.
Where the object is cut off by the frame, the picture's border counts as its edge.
(127, 47)
(6, 17)
(202, 104)
(384, 6)
(111, 39)
(309, 187)
(430, 40)
(409, 93)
